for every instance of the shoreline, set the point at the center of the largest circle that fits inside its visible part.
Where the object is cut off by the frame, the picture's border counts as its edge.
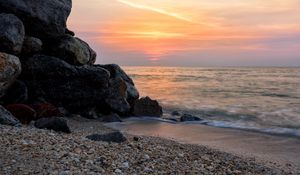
(283, 151)
(36, 151)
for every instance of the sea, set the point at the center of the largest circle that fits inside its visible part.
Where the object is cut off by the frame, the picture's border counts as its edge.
(257, 99)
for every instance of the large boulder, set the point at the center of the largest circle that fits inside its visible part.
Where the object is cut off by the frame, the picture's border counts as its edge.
(6, 118)
(72, 50)
(116, 72)
(10, 68)
(116, 99)
(147, 107)
(54, 123)
(73, 87)
(40, 17)
(16, 93)
(12, 33)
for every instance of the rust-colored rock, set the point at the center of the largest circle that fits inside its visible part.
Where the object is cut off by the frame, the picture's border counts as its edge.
(46, 110)
(22, 112)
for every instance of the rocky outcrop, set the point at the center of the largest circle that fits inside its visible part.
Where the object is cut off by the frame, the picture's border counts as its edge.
(6, 118)
(58, 69)
(42, 19)
(72, 50)
(65, 85)
(147, 107)
(10, 68)
(12, 34)
(54, 123)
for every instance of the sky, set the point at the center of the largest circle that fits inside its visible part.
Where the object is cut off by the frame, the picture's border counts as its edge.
(190, 32)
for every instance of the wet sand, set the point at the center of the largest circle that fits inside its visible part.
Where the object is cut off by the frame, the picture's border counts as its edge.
(276, 151)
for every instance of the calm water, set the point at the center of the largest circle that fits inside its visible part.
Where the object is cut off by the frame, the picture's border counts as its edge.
(262, 99)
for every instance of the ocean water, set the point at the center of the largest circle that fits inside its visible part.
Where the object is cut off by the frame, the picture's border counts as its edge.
(259, 99)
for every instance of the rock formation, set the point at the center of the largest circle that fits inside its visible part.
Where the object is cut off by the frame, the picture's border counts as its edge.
(43, 66)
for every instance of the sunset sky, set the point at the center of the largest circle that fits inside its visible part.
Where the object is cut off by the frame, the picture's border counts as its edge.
(190, 32)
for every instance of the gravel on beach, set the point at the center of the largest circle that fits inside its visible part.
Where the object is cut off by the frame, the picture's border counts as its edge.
(27, 150)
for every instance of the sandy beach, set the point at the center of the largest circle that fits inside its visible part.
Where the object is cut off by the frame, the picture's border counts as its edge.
(32, 151)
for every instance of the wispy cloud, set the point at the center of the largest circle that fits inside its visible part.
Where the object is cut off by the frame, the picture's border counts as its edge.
(157, 10)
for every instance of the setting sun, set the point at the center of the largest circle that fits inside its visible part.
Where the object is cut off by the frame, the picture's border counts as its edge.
(158, 30)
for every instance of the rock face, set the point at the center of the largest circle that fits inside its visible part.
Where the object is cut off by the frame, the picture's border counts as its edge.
(42, 19)
(10, 68)
(12, 34)
(55, 123)
(147, 107)
(64, 85)
(72, 50)
(116, 137)
(6, 118)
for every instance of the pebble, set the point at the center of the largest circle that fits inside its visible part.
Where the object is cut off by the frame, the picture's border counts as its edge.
(71, 154)
(118, 171)
(146, 156)
(125, 165)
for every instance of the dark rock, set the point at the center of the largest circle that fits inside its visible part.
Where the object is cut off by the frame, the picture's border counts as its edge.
(111, 118)
(116, 72)
(136, 138)
(54, 123)
(12, 34)
(22, 112)
(147, 107)
(188, 117)
(72, 50)
(117, 96)
(10, 68)
(116, 137)
(41, 18)
(73, 87)
(69, 32)
(16, 94)
(175, 113)
(31, 46)
(6, 118)
(46, 110)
